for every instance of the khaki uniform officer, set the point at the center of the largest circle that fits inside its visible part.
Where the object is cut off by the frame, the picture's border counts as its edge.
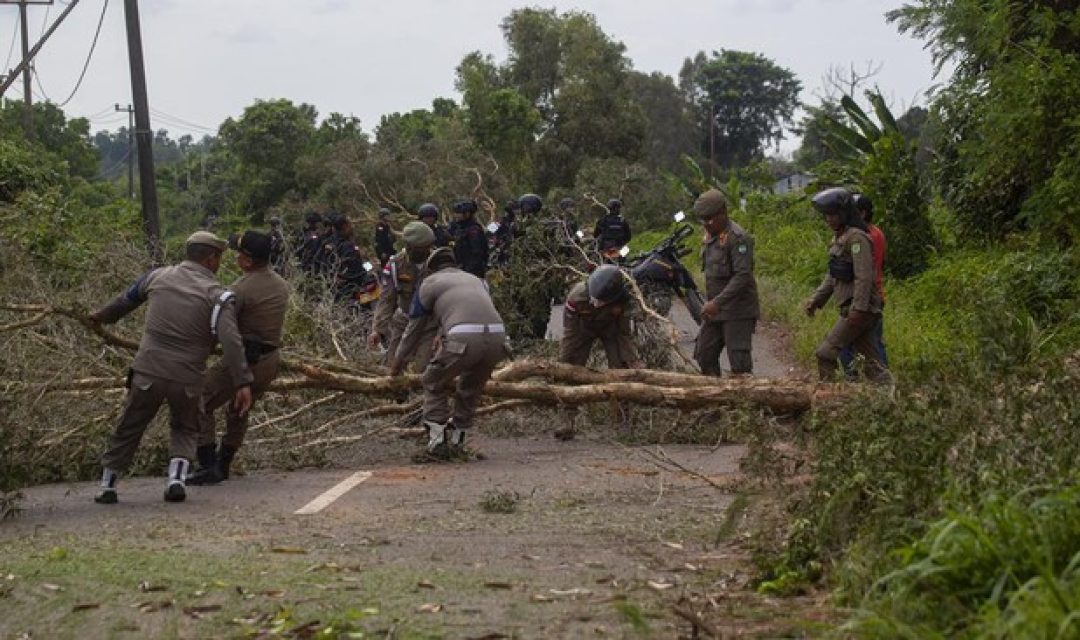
(731, 309)
(189, 310)
(850, 280)
(472, 342)
(400, 278)
(600, 309)
(262, 298)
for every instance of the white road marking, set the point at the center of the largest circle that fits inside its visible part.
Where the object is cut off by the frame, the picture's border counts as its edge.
(335, 492)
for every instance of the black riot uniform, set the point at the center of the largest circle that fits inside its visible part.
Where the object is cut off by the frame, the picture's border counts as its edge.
(470, 243)
(613, 230)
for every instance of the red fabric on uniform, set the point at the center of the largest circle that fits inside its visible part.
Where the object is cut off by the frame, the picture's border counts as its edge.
(877, 241)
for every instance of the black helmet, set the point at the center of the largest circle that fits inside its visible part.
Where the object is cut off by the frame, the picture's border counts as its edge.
(838, 201)
(566, 203)
(530, 203)
(313, 217)
(427, 209)
(384, 212)
(275, 221)
(865, 206)
(466, 207)
(614, 205)
(607, 284)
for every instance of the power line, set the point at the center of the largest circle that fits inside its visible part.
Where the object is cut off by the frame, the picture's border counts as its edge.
(105, 172)
(11, 49)
(86, 65)
(45, 20)
(37, 79)
(181, 121)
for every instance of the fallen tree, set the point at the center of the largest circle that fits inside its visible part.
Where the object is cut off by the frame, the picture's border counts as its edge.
(536, 381)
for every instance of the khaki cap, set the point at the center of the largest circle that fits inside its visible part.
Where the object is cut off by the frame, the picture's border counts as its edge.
(207, 238)
(709, 204)
(418, 234)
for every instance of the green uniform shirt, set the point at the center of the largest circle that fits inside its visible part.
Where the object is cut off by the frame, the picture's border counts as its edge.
(728, 261)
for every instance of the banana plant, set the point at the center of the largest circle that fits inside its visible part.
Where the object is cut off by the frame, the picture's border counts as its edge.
(855, 140)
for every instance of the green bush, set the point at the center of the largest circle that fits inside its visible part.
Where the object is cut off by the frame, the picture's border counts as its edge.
(883, 465)
(1010, 568)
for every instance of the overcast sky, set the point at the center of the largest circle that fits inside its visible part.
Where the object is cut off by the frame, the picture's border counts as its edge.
(208, 59)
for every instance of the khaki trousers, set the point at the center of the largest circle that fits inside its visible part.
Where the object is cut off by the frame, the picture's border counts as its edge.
(218, 392)
(461, 367)
(144, 398)
(862, 340)
(715, 336)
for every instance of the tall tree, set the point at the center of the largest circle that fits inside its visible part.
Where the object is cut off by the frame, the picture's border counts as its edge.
(743, 99)
(573, 77)
(1006, 123)
(266, 141)
(670, 129)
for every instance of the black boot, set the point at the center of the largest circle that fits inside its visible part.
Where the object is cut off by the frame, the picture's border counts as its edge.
(224, 460)
(208, 467)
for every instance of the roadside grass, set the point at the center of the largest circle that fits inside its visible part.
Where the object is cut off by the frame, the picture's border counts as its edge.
(1009, 569)
(80, 590)
(121, 589)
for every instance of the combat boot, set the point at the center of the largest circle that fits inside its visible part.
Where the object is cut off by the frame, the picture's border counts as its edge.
(225, 459)
(436, 435)
(208, 472)
(175, 490)
(108, 487)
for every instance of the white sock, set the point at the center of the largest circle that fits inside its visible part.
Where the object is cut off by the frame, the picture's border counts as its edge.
(178, 470)
(109, 478)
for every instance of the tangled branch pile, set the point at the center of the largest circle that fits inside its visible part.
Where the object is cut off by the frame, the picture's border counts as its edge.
(62, 381)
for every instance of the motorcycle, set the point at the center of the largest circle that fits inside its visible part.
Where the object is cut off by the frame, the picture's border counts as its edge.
(660, 274)
(365, 295)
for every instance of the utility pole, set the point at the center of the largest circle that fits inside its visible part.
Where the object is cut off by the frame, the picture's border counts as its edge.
(24, 66)
(712, 140)
(143, 134)
(28, 101)
(131, 148)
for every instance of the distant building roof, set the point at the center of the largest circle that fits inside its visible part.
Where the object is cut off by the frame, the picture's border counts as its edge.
(794, 182)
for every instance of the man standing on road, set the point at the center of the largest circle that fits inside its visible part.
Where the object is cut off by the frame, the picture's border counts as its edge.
(865, 206)
(346, 270)
(307, 242)
(470, 243)
(428, 213)
(189, 310)
(262, 298)
(730, 314)
(850, 279)
(472, 340)
(612, 231)
(384, 237)
(400, 278)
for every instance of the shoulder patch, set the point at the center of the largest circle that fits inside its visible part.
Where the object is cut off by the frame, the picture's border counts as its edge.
(742, 248)
(856, 248)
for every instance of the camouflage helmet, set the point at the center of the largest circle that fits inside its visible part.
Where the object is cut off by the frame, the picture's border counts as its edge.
(418, 234)
(709, 204)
